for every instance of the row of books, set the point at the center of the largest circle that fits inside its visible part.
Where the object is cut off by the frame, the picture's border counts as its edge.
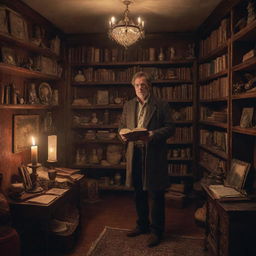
(182, 114)
(212, 162)
(184, 134)
(213, 67)
(217, 88)
(84, 54)
(208, 114)
(124, 75)
(180, 92)
(217, 38)
(178, 169)
(215, 139)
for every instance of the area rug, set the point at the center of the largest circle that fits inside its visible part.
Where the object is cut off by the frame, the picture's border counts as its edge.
(114, 242)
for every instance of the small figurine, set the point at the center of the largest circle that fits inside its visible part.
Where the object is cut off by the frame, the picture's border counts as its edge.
(33, 99)
(55, 97)
(94, 119)
(172, 53)
(79, 77)
(161, 55)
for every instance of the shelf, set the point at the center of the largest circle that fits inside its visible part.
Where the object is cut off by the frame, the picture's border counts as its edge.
(249, 64)
(98, 141)
(109, 106)
(94, 166)
(115, 188)
(245, 95)
(135, 63)
(156, 82)
(179, 142)
(28, 46)
(183, 122)
(216, 152)
(18, 71)
(100, 126)
(205, 167)
(180, 159)
(247, 131)
(179, 100)
(214, 53)
(248, 33)
(211, 123)
(25, 106)
(214, 76)
(214, 100)
(181, 176)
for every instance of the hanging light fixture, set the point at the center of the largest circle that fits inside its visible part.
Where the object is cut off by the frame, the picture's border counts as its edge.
(125, 31)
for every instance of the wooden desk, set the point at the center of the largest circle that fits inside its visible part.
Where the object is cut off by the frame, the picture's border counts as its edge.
(35, 218)
(230, 227)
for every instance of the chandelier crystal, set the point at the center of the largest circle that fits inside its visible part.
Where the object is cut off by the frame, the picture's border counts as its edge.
(125, 31)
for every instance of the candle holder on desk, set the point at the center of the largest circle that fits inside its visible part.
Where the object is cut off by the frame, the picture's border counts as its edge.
(36, 188)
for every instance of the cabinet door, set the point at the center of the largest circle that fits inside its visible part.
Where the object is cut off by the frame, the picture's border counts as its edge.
(223, 234)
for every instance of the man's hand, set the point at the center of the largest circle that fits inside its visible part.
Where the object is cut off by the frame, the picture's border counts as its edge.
(148, 137)
(122, 136)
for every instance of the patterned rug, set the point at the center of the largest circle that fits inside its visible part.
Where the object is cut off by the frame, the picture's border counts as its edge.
(114, 242)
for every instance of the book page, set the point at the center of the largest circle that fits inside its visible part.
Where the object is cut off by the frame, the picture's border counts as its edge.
(43, 199)
(56, 191)
(221, 191)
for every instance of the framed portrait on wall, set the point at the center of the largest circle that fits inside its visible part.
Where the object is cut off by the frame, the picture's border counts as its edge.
(102, 97)
(18, 26)
(24, 127)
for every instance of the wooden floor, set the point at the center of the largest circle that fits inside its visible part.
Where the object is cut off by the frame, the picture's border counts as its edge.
(116, 209)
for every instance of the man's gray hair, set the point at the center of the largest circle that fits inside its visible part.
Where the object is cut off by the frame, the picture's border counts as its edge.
(141, 74)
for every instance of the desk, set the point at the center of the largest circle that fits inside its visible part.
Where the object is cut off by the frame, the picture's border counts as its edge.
(36, 218)
(230, 227)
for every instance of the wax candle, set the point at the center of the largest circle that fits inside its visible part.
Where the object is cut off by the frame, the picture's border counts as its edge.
(34, 152)
(52, 148)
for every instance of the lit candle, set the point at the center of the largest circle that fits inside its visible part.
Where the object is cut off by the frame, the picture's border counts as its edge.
(34, 152)
(113, 20)
(52, 148)
(139, 20)
(142, 24)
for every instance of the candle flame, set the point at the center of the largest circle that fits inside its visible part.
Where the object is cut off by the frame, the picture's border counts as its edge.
(33, 141)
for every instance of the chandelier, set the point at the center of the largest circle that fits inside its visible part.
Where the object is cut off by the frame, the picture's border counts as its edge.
(125, 31)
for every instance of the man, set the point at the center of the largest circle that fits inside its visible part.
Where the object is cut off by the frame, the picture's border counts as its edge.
(147, 157)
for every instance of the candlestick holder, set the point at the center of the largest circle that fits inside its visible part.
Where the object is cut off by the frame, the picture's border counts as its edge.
(36, 188)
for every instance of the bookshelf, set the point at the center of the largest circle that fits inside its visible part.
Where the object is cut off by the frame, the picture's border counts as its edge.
(227, 87)
(111, 69)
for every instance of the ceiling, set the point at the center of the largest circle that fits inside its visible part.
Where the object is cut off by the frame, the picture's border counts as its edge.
(91, 16)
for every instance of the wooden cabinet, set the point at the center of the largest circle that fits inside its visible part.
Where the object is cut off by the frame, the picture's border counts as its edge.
(230, 227)
(108, 71)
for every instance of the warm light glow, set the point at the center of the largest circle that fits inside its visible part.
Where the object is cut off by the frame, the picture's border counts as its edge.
(33, 141)
(52, 148)
(34, 152)
(125, 31)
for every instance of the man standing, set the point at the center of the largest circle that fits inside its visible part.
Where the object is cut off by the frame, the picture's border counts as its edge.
(147, 157)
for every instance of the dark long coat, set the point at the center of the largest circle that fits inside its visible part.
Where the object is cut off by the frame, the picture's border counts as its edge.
(158, 120)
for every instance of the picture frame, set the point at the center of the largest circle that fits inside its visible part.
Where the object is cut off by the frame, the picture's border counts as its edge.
(3, 20)
(102, 97)
(236, 177)
(25, 176)
(45, 93)
(8, 55)
(18, 26)
(24, 127)
(246, 117)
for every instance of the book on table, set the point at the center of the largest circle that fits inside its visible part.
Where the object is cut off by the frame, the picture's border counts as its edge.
(134, 134)
(233, 186)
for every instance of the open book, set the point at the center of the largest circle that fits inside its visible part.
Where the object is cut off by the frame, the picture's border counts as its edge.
(221, 191)
(133, 134)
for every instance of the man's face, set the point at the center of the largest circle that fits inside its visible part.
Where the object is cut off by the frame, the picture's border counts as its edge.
(141, 88)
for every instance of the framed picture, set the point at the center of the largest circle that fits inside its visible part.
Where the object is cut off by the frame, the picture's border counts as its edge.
(8, 56)
(18, 26)
(25, 176)
(246, 118)
(3, 20)
(102, 97)
(237, 175)
(45, 93)
(25, 126)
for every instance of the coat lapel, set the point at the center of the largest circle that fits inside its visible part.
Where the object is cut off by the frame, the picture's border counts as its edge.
(132, 114)
(150, 111)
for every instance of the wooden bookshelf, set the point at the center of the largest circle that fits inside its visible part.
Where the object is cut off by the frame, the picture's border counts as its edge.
(214, 76)
(214, 53)
(214, 151)
(95, 166)
(246, 34)
(110, 106)
(97, 141)
(222, 99)
(90, 126)
(247, 131)
(249, 64)
(25, 106)
(212, 123)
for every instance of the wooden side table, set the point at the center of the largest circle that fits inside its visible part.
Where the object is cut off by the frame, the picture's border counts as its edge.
(230, 227)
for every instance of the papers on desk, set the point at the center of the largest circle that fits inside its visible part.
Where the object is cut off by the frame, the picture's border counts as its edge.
(56, 191)
(42, 199)
(221, 191)
(71, 174)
